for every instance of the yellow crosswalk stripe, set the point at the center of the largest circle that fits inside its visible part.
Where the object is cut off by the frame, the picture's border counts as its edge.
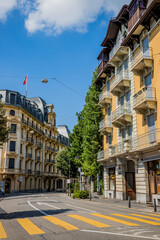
(153, 218)
(152, 214)
(89, 221)
(30, 227)
(61, 223)
(136, 219)
(114, 219)
(2, 232)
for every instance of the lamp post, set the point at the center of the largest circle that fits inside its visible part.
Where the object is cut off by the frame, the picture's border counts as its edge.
(69, 178)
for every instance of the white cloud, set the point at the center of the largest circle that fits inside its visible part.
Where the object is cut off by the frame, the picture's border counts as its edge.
(56, 16)
(5, 7)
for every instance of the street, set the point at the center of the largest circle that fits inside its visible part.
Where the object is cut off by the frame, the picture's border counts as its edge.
(57, 216)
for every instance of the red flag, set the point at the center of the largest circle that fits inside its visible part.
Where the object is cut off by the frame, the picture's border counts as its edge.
(25, 81)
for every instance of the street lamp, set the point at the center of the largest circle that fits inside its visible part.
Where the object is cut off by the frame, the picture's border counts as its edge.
(45, 80)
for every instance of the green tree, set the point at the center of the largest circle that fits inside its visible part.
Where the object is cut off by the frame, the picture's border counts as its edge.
(62, 163)
(76, 140)
(3, 126)
(92, 140)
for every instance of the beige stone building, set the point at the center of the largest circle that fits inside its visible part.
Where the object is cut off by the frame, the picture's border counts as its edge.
(27, 159)
(128, 75)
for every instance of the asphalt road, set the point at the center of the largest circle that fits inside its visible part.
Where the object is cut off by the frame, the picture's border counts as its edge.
(57, 216)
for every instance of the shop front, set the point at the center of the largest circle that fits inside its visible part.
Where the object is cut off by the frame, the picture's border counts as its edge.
(154, 180)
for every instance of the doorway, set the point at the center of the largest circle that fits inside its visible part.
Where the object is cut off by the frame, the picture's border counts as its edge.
(8, 185)
(130, 181)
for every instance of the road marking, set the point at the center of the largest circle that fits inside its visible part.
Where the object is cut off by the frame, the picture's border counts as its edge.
(89, 221)
(48, 205)
(79, 207)
(61, 223)
(37, 209)
(153, 218)
(2, 232)
(137, 219)
(154, 214)
(114, 219)
(119, 234)
(30, 227)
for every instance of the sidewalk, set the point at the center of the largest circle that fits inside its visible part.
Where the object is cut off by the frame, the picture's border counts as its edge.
(124, 204)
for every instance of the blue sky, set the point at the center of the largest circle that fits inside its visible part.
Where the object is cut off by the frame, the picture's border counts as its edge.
(50, 47)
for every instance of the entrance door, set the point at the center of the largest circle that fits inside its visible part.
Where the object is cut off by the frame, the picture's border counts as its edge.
(8, 185)
(130, 180)
(152, 178)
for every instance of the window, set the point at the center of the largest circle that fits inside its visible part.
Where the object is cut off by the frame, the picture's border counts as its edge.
(112, 179)
(11, 163)
(12, 113)
(13, 128)
(12, 98)
(110, 140)
(21, 148)
(12, 146)
(129, 131)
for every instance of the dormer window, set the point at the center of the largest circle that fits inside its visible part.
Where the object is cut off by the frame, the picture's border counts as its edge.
(12, 98)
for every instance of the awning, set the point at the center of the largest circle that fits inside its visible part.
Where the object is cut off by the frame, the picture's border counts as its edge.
(151, 159)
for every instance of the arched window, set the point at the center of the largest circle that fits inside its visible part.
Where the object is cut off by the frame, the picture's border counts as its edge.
(12, 113)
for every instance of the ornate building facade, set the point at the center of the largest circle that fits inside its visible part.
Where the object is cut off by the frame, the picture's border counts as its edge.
(27, 159)
(128, 75)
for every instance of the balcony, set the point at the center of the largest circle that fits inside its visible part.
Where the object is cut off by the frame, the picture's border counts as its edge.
(145, 99)
(28, 171)
(118, 52)
(104, 99)
(142, 60)
(121, 116)
(103, 155)
(135, 17)
(38, 144)
(101, 67)
(38, 158)
(29, 140)
(105, 127)
(121, 148)
(146, 140)
(29, 156)
(120, 82)
(49, 161)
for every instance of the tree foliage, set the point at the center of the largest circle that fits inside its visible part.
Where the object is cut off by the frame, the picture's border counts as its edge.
(62, 163)
(85, 140)
(91, 137)
(3, 125)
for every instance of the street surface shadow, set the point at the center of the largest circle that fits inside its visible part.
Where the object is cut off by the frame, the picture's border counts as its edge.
(30, 214)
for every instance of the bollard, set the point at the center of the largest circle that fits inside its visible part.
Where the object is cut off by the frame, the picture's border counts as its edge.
(129, 201)
(90, 196)
(154, 205)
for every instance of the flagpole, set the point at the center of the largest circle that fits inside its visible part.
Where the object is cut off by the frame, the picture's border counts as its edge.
(26, 85)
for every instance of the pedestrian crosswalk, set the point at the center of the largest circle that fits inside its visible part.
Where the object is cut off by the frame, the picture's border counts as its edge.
(94, 219)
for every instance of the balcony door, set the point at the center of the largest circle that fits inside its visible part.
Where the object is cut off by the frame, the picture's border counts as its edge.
(108, 88)
(128, 96)
(151, 128)
(109, 116)
(126, 72)
(145, 45)
(148, 84)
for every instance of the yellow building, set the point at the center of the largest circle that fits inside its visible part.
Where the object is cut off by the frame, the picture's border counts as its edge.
(27, 159)
(129, 77)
